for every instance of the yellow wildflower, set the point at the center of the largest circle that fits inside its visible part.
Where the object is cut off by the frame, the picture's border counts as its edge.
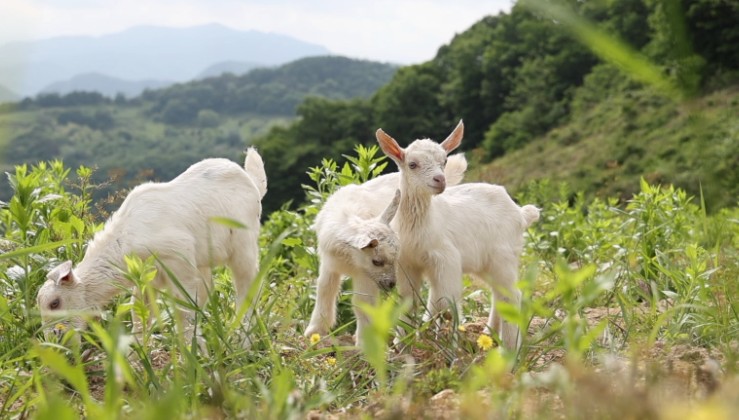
(484, 342)
(462, 328)
(60, 327)
(315, 338)
(331, 361)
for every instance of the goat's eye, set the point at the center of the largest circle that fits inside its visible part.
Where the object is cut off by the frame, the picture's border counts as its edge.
(413, 165)
(55, 304)
(378, 263)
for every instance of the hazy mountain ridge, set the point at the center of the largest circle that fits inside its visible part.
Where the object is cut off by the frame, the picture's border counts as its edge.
(236, 68)
(142, 53)
(105, 85)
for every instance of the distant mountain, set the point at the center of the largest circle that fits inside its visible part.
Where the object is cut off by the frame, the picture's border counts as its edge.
(7, 95)
(106, 85)
(143, 53)
(236, 68)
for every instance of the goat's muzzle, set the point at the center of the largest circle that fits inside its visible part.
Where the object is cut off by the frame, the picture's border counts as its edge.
(386, 284)
(439, 183)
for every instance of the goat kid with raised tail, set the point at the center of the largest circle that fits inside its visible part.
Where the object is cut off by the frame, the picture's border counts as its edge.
(176, 221)
(446, 232)
(355, 240)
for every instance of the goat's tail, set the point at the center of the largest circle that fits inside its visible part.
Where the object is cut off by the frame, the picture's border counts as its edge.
(456, 166)
(530, 214)
(254, 166)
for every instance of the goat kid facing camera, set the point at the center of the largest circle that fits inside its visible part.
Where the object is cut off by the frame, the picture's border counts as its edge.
(446, 231)
(176, 221)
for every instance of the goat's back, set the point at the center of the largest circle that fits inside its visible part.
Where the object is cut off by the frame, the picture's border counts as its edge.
(481, 221)
(184, 213)
(365, 201)
(480, 207)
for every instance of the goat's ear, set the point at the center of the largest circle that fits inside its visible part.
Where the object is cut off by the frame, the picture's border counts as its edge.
(454, 139)
(389, 146)
(363, 241)
(391, 209)
(62, 274)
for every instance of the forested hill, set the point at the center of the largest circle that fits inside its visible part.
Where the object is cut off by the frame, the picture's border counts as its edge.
(271, 91)
(514, 78)
(161, 132)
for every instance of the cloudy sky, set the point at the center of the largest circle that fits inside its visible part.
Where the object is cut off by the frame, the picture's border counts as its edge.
(400, 31)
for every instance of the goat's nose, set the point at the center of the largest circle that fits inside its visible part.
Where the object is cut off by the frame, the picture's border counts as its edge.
(440, 181)
(387, 285)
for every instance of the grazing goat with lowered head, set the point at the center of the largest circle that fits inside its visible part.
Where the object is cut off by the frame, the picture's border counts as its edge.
(178, 223)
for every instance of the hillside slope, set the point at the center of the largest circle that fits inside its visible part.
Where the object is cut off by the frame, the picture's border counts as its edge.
(605, 151)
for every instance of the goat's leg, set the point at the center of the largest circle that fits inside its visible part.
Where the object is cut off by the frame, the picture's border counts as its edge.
(244, 269)
(191, 291)
(324, 311)
(366, 292)
(445, 289)
(408, 284)
(504, 289)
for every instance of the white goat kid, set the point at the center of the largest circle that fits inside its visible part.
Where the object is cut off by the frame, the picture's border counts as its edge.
(177, 222)
(355, 240)
(471, 228)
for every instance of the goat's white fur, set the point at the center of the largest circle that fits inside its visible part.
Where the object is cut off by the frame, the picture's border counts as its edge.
(445, 232)
(174, 221)
(355, 240)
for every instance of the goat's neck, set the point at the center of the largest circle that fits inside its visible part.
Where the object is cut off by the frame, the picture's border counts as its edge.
(414, 210)
(99, 271)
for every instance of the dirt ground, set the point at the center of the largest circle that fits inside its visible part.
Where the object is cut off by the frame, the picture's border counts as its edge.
(661, 381)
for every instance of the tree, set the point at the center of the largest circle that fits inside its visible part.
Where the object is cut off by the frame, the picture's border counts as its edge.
(409, 105)
(326, 129)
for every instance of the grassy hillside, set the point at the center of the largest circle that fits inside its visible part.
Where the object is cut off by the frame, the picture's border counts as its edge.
(626, 313)
(629, 304)
(605, 149)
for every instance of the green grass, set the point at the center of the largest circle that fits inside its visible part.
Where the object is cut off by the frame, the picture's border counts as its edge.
(630, 309)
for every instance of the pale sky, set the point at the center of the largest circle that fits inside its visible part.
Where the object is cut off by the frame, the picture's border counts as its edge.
(398, 31)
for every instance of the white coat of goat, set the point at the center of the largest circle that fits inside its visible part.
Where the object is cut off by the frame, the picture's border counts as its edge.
(355, 240)
(176, 221)
(446, 232)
